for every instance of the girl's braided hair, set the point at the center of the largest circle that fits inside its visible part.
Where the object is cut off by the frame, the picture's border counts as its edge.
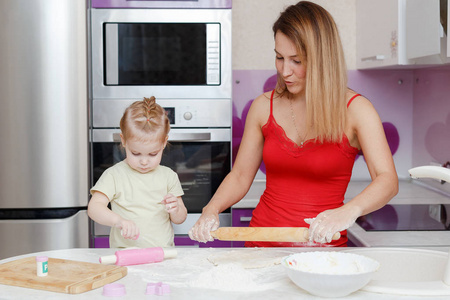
(144, 118)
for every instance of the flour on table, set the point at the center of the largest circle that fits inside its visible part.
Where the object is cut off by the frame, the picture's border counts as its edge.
(226, 277)
(230, 273)
(249, 258)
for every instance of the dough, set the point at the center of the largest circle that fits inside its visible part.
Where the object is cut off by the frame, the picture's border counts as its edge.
(249, 258)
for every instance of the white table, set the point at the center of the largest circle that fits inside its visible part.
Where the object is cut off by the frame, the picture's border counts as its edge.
(183, 274)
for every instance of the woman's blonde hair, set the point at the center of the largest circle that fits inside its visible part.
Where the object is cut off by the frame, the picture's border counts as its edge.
(312, 29)
(144, 118)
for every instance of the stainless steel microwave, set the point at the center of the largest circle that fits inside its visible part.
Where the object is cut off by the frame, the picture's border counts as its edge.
(167, 53)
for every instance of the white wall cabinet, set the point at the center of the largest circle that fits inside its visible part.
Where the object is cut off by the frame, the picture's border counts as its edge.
(399, 33)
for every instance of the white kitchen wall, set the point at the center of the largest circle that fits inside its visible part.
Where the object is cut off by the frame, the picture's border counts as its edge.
(252, 30)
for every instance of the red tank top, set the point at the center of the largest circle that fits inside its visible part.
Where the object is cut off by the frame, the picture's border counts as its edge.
(301, 181)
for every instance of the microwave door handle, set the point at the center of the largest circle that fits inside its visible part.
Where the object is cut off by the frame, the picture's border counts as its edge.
(112, 54)
(189, 136)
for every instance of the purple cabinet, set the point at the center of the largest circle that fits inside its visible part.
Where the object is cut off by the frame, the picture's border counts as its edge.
(101, 242)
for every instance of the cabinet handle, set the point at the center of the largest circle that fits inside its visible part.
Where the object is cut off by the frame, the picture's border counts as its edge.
(245, 219)
(376, 57)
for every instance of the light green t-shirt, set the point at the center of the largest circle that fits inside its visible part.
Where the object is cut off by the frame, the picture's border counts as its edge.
(136, 196)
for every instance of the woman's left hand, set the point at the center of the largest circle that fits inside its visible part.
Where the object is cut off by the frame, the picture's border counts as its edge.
(327, 223)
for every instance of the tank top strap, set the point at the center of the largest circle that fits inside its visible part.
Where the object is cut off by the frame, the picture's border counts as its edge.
(271, 102)
(348, 104)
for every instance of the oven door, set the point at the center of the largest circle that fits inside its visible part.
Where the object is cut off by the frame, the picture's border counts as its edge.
(200, 157)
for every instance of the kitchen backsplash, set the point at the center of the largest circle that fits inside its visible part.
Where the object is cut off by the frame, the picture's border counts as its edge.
(413, 105)
(431, 115)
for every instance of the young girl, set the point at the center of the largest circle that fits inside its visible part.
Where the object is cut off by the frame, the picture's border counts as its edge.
(145, 197)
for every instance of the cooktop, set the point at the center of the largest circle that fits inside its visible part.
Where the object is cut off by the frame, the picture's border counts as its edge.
(407, 217)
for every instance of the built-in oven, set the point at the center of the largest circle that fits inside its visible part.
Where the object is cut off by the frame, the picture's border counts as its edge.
(199, 154)
(179, 52)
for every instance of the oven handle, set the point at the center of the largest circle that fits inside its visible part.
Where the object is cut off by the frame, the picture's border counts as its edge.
(175, 135)
(117, 138)
(178, 136)
(189, 136)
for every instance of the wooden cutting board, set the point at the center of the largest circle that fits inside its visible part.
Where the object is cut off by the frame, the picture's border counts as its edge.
(64, 276)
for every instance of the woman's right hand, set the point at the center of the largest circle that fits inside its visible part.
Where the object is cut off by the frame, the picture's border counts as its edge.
(201, 230)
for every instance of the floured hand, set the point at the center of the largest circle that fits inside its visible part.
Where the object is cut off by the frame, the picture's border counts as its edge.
(202, 228)
(327, 223)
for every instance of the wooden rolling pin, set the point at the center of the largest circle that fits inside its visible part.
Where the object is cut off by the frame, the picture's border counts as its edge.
(264, 234)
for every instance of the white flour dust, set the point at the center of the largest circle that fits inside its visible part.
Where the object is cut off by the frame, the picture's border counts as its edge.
(193, 270)
(226, 277)
(253, 258)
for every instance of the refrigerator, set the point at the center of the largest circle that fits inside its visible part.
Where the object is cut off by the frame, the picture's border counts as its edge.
(43, 126)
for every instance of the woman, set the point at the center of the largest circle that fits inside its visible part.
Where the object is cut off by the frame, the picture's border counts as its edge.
(308, 131)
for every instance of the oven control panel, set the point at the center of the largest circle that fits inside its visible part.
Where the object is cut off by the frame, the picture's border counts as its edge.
(183, 113)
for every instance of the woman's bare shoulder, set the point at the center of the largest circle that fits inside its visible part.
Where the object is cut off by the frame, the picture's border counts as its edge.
(263, 99)
(262, 102)
(360, 112)
(260, 108)
(356, 101)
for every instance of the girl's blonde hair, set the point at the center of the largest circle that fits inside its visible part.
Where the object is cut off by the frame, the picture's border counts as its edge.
(312, 29)
(144, 118)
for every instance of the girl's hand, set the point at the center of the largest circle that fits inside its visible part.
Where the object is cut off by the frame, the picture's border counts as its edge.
(172, 203)
(175, 207)
(129, 230)
(206, 223)
(328, 222)
(99, 212)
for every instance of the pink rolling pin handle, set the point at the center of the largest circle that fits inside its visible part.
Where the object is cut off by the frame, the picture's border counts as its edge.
(108, 259)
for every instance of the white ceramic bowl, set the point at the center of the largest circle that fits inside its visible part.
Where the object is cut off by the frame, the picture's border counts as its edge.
(329, 273)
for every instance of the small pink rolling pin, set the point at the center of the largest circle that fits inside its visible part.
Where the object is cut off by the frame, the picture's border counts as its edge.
(130, 257)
